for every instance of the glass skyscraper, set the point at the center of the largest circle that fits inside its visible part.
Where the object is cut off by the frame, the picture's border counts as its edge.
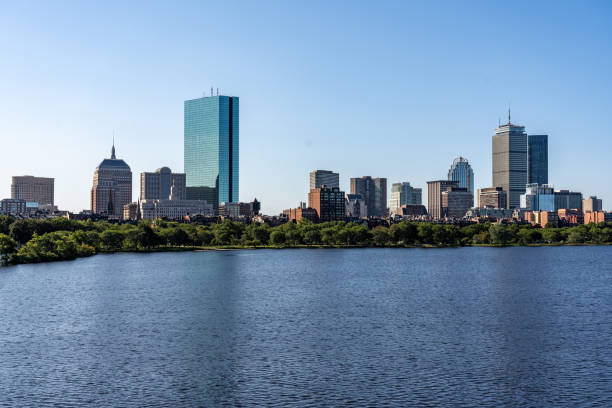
(537, 159)
(462, 172)
(510, 161)
(211, 149)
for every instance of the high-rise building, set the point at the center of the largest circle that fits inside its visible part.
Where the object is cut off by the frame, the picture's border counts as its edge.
(211, 149)
(567, 199)
(456, 201)
(157, 185)
(462, 172)
(112, 187)
(591, 204)
(510, 161)
(538, 197)
(434, 196)
(324, 177)
(494, 197)
(537, 159)
(404, 194)
(328, 202)
(374, 192)
(356, 206)
(33, 189)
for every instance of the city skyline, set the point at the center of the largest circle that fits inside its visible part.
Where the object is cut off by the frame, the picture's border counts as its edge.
(68, 109)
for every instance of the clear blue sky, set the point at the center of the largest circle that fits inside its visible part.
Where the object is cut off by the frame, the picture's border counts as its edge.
(393, 89)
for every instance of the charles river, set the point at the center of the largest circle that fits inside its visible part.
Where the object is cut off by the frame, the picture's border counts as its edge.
(321, 327)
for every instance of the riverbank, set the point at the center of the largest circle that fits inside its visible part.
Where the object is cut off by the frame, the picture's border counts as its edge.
(34, 241)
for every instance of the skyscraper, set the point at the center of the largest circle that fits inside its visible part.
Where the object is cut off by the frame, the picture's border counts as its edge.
(157, 185)
(537, 159)
(374, 192)
(434, 196)
(33, 189)
(112, 187)
(321, 177)
(462, 172)
(404, 194)
(510, 161)
(211, 149)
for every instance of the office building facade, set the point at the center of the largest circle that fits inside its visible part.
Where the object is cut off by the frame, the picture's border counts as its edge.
(434, 196)
(328, 178)
(567, 199)
(456, 201)
(112, 187)
(404, 194)
(537, 159)
(462, 172)
(494, 197)
(32, 189)
(538, 197)
(356, 206)
(510, 161)
(157, 185)
(329, 203)
(211, 149)
(592, 204)
(374, 192)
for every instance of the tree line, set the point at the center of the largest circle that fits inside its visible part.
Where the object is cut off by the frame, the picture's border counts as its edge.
(29, 241)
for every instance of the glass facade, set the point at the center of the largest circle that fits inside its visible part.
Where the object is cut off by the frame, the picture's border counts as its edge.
(462, 172)
(212, 149)
(537, 159)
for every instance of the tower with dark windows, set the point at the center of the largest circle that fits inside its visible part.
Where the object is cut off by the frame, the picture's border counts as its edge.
(112, 187)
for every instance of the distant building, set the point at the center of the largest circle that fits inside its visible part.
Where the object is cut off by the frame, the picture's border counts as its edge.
(456, 201)
(411, 210)
(296, 214)
(567, 199)
(592, 204)
(404, 194)
(462, 172)
(537, 159)
(211, 149)
(13, 206)
(597, 217)
(490, 212)
(494, 197)
(238, 210)
(174, 209)
(434, 196)
(33, 189)
(156, 185)
(538, 197)
(328, 202)
(374, 192)
(131, 211)
(356, 206)
(324, 177)
(112, 187)
(570, 217)
(541, 218)
(510, 161)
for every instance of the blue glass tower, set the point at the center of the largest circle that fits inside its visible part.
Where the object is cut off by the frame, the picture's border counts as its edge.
(537, 159)
(211, 149)
(462, 172)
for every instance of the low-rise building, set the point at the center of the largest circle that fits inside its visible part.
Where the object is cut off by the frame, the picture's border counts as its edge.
(412, 210)
(541, 218)
(239, 209)
(13, 206)
(490, 212)
(597, 217)
(174, 209)
(356, 206)
(494, 197)
(569, 217)
(131, 211)
(296, 214)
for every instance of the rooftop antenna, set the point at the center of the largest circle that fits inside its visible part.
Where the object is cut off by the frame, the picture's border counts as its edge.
(508, 113)
(211, 91)
(217, 91)
(498, 122)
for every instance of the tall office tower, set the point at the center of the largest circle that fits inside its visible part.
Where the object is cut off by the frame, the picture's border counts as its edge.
(538, 197)
(33, 189)
(434, 196)
(157, 185)
(462, 172)
(565, 199)
(374, 192)
(456, 201)
(510, 161)
(492, 197)
(328, 202)
(327, 177)
(592, 204)
(211, 149)
(404, 194)
(112, 187)
(537, 159)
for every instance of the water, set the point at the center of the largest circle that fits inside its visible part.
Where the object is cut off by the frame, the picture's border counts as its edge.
(347, 327)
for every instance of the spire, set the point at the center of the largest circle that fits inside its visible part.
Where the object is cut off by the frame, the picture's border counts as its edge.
(113, 149)
(508, 114)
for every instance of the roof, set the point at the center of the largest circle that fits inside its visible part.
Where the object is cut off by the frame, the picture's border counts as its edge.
(113, 164)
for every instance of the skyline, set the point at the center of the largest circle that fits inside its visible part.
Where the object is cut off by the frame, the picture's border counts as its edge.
(306, 104)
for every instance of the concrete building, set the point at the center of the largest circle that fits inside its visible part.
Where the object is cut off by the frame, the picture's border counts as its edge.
(112, 187)
(13, 206)
(156, 185)
(510, 161)
(462, 172)
(434, 196)
(319, 178)
(32, 189)
(567, 199)
(538, 197)
(174, 209)
(211, 151)
(131, 211)
(456, 201)
(296, 214)
(411, 210)
(329, 203)
(537, 159)
(374, 192)
(592, 204)
(356, 206)
(404, 194)
(494, 197)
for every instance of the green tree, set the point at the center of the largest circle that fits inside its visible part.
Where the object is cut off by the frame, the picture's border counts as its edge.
(381, 236)
(5, 223)
(499, 234)
(277, 237)
(425, 233)
(8, 246)
(112, 240)
(312, 237)
(551, 235)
